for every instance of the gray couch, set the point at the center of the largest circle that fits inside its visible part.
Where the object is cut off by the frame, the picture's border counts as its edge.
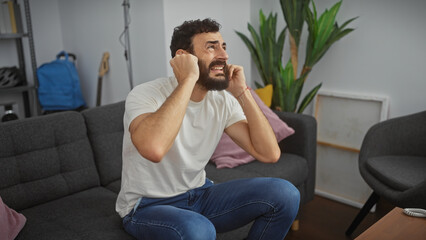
(62, 171)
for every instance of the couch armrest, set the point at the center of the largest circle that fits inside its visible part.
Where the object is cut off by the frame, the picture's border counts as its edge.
(303, 143)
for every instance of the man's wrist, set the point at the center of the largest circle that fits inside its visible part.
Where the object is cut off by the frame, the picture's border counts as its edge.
(242, 92)
(192, 80)
(240, 97)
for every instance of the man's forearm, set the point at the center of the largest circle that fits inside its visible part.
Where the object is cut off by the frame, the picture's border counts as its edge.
(261, 134)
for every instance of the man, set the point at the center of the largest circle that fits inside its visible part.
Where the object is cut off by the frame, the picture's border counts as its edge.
(172, 126)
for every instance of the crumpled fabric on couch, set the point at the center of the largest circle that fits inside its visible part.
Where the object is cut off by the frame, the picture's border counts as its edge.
(11, 222)
(229, 155)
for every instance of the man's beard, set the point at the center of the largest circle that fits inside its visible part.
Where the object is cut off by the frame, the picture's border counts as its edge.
(218, 82)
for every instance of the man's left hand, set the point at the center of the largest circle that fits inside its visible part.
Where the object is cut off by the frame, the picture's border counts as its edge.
(237, 80)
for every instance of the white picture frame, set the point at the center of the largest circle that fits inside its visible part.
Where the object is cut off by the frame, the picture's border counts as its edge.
(343, 119)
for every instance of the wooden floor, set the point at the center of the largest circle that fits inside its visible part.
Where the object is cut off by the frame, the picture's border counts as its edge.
(324, 219)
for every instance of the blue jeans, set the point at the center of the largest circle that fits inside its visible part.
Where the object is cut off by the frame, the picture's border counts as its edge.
(198, 214)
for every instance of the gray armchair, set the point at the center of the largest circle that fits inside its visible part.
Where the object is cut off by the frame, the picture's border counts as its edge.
(392, 161)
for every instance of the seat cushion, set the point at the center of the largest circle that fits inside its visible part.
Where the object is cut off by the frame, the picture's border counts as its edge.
(89, 214)
(398, 172)
(290, 167)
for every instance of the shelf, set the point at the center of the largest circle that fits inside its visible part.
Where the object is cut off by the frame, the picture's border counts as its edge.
(13, 35)
(18, 89)
(27, 91)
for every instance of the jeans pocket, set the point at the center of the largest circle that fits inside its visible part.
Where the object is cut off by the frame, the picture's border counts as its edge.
(126, 219)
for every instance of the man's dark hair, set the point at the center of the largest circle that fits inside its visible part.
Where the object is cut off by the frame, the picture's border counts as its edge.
(183, 34)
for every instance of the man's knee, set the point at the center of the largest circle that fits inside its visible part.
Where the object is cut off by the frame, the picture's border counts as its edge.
(285, 191)
(198, 228)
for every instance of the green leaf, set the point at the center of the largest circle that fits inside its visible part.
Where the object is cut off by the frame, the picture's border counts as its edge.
(279, 92)
(294, 16)
(326, 25)
(308, 98)
(298, 86)
(341, 34)
(315, 10)
(288, 74)
(280, 44)
(286, 79)
(323, 32)
(346, 23)
(270, 59)
(258, 85)
(255, 36)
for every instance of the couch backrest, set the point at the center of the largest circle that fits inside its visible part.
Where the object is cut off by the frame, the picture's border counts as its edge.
(105, 130)
(45, 158)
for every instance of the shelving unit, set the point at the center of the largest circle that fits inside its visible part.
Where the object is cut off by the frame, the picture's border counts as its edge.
(28, 91)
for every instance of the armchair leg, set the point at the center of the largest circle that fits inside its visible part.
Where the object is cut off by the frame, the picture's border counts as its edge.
(295, 225)
(362, 213)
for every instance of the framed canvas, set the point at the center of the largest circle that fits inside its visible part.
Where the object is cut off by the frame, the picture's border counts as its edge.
(343, 120)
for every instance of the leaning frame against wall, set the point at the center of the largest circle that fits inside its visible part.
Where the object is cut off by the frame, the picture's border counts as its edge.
(343, 120)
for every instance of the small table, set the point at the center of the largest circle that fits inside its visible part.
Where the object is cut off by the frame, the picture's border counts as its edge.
(396, 225)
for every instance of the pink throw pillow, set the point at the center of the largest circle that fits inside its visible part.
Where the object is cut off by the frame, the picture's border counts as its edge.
(228, 154)
(11, 222)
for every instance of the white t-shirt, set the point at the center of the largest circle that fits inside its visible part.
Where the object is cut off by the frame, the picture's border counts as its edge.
(182, 168)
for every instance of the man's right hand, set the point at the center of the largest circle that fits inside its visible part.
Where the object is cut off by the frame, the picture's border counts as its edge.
(153, 134)
(185, 67)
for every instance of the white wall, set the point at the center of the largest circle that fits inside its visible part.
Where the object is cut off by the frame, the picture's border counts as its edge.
(93, 27)
(47, 29)
(88, 28)
(383, 56)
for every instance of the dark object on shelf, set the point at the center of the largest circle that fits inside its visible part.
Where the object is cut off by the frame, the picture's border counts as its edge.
(9, 115)
(10, 77)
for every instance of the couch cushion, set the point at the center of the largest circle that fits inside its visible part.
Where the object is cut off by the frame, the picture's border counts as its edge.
(105, 130)
(85, 215)
(399, 172)
(45, 158)
(290, 167)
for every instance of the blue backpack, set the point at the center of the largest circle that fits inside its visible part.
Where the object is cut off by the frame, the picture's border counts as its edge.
(59, 85)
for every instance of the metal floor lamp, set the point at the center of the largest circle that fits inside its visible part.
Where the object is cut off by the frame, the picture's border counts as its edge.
(127, 55)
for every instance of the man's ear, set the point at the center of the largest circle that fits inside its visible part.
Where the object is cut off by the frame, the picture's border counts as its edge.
(180, 52)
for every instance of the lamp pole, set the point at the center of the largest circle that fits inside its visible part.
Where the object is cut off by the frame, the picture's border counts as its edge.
(127, 55)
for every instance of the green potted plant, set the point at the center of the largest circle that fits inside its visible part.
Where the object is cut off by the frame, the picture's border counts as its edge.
(266, 50)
